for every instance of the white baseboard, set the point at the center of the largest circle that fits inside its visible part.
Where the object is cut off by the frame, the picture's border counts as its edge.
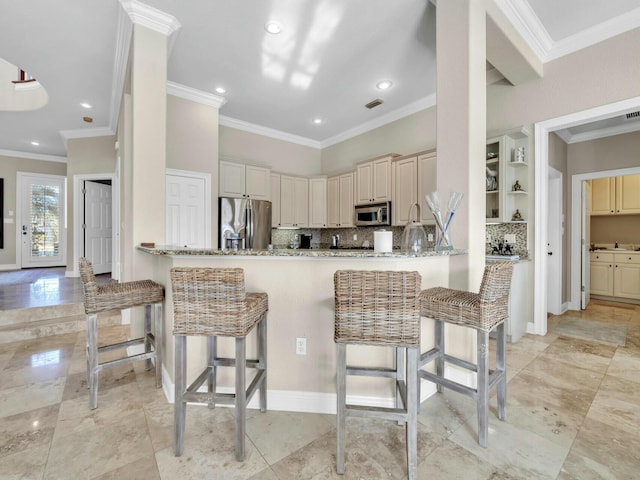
(9, 266)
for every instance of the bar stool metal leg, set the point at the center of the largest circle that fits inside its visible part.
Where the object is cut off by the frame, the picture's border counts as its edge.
(212, 354)
(147, 335)
(241, 396)
(400, 377)
(180, 406)
(341, 390)
(413, 357)
(262, 359)
(157, 343)
(483, 387)
(92, 333)
(501, 355)
(439, 334)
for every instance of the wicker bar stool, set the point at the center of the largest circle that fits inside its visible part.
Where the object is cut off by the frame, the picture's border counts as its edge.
(379, 308)
(484, 312)
(120, 296)
(212, 302)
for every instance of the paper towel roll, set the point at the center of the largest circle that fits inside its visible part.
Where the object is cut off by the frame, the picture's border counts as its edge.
(382, 241)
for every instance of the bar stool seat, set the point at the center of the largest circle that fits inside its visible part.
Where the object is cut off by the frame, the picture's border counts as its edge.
(483, 312)
(379, 308)
(212, 302)
(120, 296)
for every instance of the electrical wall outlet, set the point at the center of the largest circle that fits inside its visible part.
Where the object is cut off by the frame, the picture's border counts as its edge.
(487, 238)
(355, 237)
(510, 238)
(301, 346)
(430, 237)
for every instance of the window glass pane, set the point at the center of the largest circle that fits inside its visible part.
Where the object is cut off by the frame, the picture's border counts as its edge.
(45, 220)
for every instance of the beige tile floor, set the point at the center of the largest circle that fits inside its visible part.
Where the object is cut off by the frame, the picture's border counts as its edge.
(573, 413)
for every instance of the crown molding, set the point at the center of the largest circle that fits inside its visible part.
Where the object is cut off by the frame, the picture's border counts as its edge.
(600, 133)
(198, 96)
(86, 133)
(33, 156)
(596, 34)
(527, 23)
(267, 132)
(415, 107)
(151, 18)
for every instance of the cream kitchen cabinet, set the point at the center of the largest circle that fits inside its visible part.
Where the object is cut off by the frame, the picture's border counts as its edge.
(373, 181)
(413, 177)
(275, 200)
(601, 274)
(626, 275)
(294, 201)
(244, 181)
(615, 274)
(340, 200)
(615, 195)
(318, 202)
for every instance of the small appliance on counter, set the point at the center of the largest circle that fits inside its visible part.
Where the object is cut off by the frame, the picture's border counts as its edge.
(383, 241)
(305, 240)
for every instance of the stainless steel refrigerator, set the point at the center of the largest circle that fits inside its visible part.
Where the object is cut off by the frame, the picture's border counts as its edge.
(244, 223)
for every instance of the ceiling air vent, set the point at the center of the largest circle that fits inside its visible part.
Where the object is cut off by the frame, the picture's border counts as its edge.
(374, 103)
(633, 115)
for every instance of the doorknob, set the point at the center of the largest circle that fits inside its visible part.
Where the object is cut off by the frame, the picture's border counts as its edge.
(24, 229)
(549, 253)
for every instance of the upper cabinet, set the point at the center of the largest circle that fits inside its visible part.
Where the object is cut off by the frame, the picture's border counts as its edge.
(507, 178)
(340, 200)
(294, 201)
(413, 178)
(373, 181)
(615, 195)
(317, 202)
(244, 181)
(275, 200)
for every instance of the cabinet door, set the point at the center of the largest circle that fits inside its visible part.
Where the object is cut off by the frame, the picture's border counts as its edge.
(317, 202)
(601, 278)
(364, 182)
(275, 200)
(232, 181)
(333, 202)
(628, 194)
(405, 192)
(346, 199)
(257, 183)
(427, 182)
(603, 196)
(301, 202)
(626, 281)
(381, 187)
(287, 201)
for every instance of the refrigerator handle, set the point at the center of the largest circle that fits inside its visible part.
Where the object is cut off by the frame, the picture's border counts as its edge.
(249, 227)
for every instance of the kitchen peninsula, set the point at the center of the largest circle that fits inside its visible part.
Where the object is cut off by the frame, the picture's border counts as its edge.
(301, 302)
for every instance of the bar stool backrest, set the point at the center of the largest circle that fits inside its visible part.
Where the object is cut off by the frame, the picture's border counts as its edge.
(494, 292)
(377, 307)
(208, 301)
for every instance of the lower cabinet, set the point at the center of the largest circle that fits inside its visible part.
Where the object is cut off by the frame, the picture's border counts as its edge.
(615, 275)
(520, 301)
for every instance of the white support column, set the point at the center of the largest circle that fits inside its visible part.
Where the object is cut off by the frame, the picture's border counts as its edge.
(461, 130)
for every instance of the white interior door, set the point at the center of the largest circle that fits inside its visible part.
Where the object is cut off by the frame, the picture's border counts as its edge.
(186, 212)
(554, 243)
(98, 229)
(585, 243)
(42, 215)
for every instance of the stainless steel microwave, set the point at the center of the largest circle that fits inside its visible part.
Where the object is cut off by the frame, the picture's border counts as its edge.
(373, 214)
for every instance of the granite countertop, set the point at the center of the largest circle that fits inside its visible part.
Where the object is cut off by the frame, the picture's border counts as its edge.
(287, 252)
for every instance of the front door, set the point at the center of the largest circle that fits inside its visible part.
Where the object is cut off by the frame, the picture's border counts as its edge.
(42, 216)
(98, 231)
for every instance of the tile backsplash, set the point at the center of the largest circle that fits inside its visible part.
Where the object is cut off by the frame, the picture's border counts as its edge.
(498, 232)
(321, 238)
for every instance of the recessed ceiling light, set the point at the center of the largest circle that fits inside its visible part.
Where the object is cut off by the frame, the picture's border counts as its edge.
(273, 27)
(35, 144)
(86, 105)
(384, 84)
(221, 90)
(317, 120)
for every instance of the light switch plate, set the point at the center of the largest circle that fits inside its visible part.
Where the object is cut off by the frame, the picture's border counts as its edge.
(510, 238)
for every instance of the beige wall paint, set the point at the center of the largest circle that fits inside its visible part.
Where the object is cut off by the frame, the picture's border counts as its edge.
(9, 167)
(281, 156)
(95, 155)
(192, 144)
(610, 153)
(609, 229)
(558, 160)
